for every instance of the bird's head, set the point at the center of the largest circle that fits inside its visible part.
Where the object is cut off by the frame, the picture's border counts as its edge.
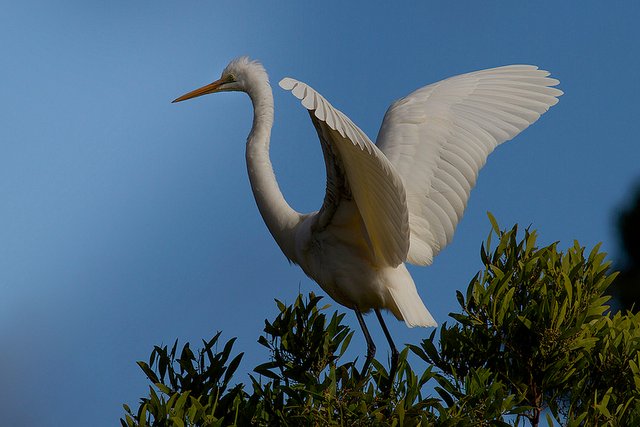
(242, 74)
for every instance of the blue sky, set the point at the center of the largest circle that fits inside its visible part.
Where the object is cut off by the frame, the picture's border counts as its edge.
(126, 221)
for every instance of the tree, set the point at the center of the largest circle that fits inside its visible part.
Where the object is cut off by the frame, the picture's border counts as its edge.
(626, 287)
(535, 318)
(533, 337)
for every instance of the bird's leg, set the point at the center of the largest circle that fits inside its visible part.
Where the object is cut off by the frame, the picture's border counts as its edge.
(394, 351)
(371, 347)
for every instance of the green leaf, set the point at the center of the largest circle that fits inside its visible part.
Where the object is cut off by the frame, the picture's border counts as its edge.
(231, 369)
(180, 402)
(568, 285)
(163, 388)
(526, 322)
(494, 223)
(505, 304)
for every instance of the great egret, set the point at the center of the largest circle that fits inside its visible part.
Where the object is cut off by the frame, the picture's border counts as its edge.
(392, 202)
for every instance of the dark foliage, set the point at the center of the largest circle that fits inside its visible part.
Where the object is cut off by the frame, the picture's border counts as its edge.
(626, 287)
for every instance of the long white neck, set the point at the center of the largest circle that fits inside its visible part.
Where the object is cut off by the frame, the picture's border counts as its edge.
(280, 218)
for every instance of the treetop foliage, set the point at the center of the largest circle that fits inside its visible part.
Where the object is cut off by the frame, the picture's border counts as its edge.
(533, 341)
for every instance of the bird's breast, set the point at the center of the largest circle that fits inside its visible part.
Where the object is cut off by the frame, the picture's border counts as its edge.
(340, 260)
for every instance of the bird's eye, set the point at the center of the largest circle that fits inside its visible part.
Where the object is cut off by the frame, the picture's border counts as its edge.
(230, 78)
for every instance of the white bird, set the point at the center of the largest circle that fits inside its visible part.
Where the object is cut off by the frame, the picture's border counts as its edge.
(398, 200)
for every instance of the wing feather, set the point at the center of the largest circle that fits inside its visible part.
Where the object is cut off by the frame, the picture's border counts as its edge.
(438, 138)
(358, 170)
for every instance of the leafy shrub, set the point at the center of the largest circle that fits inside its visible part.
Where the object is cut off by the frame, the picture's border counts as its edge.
(533, 337)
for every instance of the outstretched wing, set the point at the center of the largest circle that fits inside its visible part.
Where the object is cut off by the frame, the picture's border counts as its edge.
(358, 171)
(439, 137)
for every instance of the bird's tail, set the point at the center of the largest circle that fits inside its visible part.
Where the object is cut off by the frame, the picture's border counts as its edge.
(413, 310)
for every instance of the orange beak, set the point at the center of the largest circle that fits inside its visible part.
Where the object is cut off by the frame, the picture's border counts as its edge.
(204, 90)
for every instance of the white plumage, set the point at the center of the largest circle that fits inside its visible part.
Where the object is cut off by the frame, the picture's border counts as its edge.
(395, 201)
(439, 137)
